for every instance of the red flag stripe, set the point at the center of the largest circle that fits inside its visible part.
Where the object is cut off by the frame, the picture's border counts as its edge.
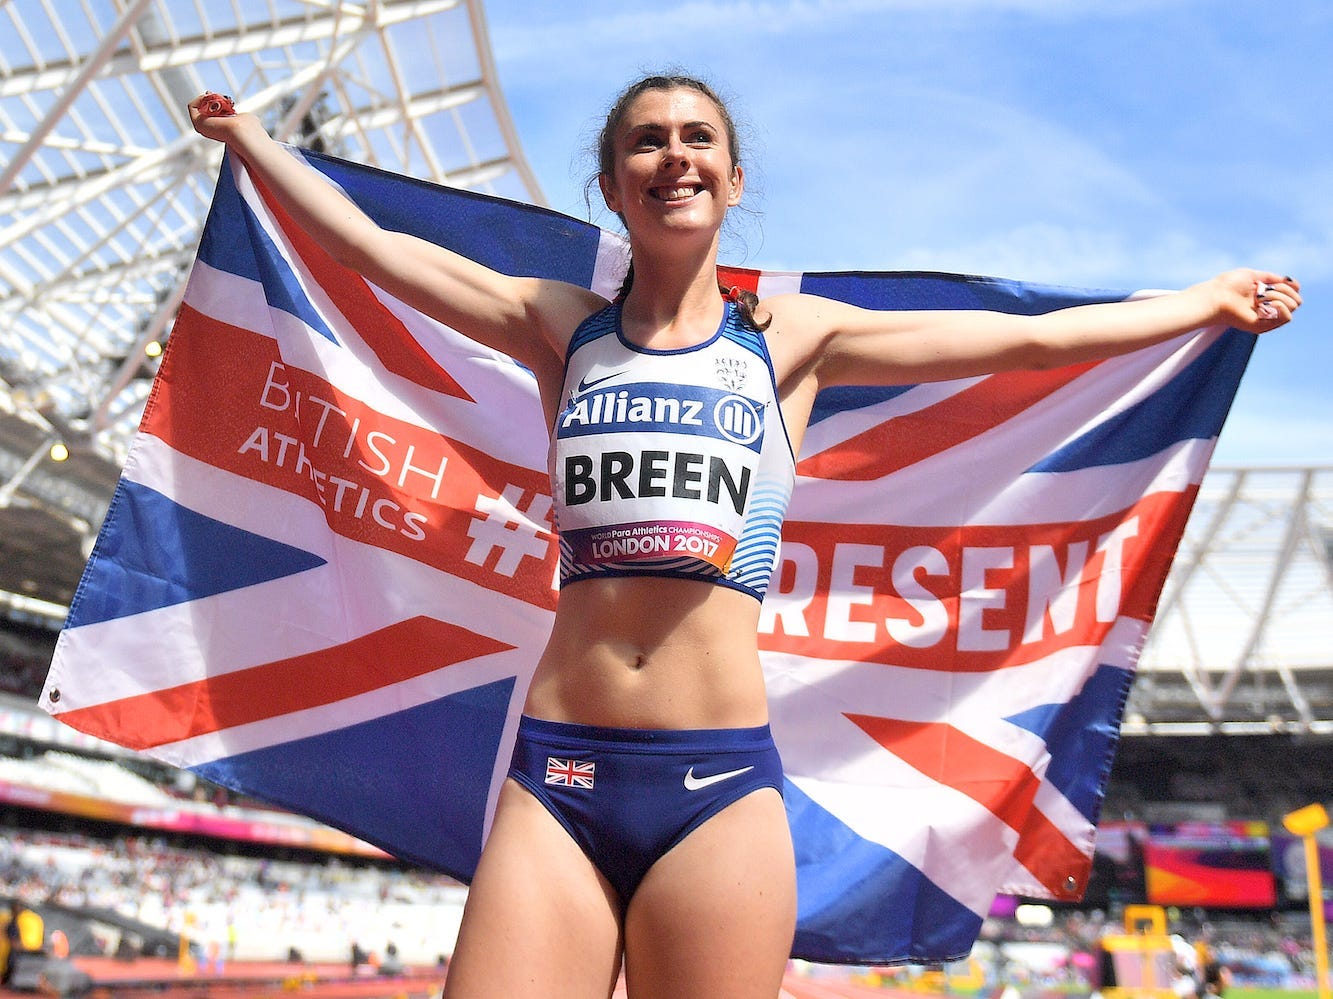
(314, 442)
(738, 277)
(382, 331)
(399, 652)
(903, 441)
(1003, 784)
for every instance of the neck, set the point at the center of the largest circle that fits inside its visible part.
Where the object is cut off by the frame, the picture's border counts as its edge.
(672, 301)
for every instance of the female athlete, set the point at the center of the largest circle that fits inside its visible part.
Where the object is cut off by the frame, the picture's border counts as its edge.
(643, 821)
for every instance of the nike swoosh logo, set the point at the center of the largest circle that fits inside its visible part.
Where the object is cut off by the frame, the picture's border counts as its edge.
(585, 384)
(693, 783)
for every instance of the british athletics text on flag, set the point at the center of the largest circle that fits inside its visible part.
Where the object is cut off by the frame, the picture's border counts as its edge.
(328, 569)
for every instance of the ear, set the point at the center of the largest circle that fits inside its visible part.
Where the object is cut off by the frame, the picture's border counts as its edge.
(737, 186)
(609, 193)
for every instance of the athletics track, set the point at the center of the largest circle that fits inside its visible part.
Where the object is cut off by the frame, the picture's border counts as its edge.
(149, 978)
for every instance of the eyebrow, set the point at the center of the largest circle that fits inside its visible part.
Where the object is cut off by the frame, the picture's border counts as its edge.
(654, 126)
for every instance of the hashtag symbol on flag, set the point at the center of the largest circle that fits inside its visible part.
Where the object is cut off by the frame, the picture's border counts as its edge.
(569, 773)
(514, 532)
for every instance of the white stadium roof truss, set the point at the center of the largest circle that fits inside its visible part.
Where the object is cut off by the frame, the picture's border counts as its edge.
(1243, 639)
(103, 191)
(104, 187)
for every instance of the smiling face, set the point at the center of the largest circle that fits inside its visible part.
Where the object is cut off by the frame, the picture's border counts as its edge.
(671, 163)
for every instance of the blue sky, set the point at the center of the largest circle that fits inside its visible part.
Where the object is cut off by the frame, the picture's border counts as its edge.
(1112, 144)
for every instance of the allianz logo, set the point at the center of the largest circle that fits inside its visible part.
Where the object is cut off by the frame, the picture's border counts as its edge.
(651, 406)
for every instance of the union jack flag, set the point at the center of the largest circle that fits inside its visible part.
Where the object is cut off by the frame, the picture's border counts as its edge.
(331, 553)
(569, 773)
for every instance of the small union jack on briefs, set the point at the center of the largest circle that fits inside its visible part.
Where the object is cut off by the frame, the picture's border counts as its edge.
(331, 553)
(569, 773)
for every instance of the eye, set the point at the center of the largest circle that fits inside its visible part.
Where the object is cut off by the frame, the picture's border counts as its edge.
(700, 137)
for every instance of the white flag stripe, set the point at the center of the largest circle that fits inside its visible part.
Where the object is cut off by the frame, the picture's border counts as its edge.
(609, 266)
(1082, 494)
(424, 689)
(778, 283)
(982, 466)
(835, 430)
(409, 588)
(232, 499)
(967, 876)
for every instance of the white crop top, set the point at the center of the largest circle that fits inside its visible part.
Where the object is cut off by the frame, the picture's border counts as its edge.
(670, 462)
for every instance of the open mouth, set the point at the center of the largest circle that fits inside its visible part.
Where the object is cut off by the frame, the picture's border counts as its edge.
(677, 192)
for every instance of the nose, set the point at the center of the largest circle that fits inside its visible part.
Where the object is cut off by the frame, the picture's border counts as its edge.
(675, 152)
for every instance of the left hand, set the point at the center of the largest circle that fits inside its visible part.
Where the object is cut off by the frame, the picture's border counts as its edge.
(1252, 300)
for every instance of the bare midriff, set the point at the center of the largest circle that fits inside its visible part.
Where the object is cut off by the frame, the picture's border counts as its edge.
(648, 652)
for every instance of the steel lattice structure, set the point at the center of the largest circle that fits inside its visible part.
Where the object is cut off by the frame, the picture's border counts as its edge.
(1243, 640)
(104, 188)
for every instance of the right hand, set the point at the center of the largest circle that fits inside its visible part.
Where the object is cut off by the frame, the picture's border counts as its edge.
(1251, 300)
(214, 117)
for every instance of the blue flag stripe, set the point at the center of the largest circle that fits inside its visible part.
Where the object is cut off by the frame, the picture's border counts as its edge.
(159, 553)
(255, 257)
(1188, 408)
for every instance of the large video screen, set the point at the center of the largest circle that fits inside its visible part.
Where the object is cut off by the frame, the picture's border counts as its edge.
(1290, 862)
(1221, 865)
(1117, 866)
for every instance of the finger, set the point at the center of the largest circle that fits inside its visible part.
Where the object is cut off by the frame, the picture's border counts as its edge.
(1281, 293)
(1274, 280)
(1290, 288)
(1275, 311)
(1265, 307)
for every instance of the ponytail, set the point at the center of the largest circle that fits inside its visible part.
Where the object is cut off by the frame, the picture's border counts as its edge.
(746, 302)
(744, 299)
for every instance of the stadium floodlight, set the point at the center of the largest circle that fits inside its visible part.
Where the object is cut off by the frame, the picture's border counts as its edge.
(1306, 823)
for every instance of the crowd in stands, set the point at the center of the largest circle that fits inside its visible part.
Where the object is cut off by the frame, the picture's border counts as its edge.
(248, 908)
(243, 907)
(1275, 950)
(55, 770)
(238, 907)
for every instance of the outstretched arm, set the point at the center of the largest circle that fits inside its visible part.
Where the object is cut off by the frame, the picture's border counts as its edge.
(838, 344)
(528, 318)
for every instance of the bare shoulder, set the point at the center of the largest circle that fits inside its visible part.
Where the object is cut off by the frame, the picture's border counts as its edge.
(810, 316)
(557, 308)
(537, 333)
(798, 308)
(827, 342)
(567, 305)
(799, 328)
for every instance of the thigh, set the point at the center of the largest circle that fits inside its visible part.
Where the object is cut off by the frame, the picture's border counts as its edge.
(540, 921)
(715, 916)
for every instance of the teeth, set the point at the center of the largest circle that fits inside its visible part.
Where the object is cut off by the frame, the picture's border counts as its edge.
(675, 193)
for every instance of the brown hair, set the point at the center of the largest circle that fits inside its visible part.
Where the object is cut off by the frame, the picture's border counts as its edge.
(746, 301)
(606, 139)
